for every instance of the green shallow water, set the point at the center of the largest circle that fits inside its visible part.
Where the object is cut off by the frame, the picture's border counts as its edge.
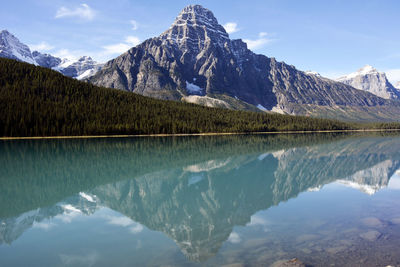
(327, 199)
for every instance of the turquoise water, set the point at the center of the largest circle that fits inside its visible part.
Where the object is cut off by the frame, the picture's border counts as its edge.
(326, 199)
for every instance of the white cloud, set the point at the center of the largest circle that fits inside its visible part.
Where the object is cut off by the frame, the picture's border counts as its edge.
(137, 228)
(262, 34)
(393, 75)
(84, 11)
(133, 227)
(42, 225)
(80, 260)
(65, 53)
(234, 238)
(258, 43)
(120, 221)
(132, 40)
(116, 48)
(231, 27)
(135, 25)
(42, 46)
(120, 48)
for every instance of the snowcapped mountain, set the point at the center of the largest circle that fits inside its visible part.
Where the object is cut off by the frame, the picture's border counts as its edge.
(196, 61)
(11, 47)
(369, 79)
(84, 67)
(397, 85)
(46, 60)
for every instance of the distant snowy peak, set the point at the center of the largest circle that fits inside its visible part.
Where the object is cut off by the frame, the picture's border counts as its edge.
(46, 60)
(397, 85)
(11, 47)
(367, 69)
(371, 80)
(84, 67)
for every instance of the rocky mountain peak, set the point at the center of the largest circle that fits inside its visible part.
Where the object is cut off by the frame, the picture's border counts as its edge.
(370, 79)
(194, 27)
(11, 47)
(367, 69)
(85, 59)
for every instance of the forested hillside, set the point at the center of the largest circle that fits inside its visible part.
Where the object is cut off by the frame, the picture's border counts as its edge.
(36, 101)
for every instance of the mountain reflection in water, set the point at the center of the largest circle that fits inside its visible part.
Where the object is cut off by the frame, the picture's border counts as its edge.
(195, 190)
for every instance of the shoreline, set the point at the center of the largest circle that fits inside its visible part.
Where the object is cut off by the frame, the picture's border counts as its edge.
(194, 134)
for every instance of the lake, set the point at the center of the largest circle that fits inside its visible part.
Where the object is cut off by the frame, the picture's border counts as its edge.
(243, 200)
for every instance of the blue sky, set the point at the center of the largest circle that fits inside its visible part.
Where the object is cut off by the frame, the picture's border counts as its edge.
(331, 37)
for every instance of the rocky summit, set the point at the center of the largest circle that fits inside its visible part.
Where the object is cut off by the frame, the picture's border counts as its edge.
(373, 81)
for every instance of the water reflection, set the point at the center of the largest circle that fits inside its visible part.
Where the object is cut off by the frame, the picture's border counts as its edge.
(195, 190)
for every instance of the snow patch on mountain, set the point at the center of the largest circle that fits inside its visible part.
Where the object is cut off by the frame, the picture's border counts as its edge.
(261, 107)
(314, 73)
(192, 88)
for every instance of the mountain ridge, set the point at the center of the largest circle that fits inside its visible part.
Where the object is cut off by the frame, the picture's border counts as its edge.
(197, 51)
(11, 47)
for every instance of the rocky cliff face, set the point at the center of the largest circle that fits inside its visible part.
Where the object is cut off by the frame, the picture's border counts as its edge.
(195, 61)
(373, 81)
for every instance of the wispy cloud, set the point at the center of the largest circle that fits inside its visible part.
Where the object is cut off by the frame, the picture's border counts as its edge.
(134, 24)
(42, 46)
(133, 227)
(393, 75)
(230, 27)
(261, 41)
(120, 221)
(120, 48)
(68, 54)
(84, 11)
(234, 238)
(44, 226)
(80, 260)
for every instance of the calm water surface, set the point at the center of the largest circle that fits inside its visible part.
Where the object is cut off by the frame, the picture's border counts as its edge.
(327, 199)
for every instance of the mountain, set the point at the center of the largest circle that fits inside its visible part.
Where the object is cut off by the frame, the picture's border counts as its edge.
(84, 67)
(369, 79)
(11, 47)
(196, 61)
(46, 60)
(397, 85)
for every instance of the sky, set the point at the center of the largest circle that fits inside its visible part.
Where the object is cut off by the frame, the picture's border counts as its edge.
(333, 37)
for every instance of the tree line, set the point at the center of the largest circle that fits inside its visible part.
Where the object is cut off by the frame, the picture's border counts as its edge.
(36, 101)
